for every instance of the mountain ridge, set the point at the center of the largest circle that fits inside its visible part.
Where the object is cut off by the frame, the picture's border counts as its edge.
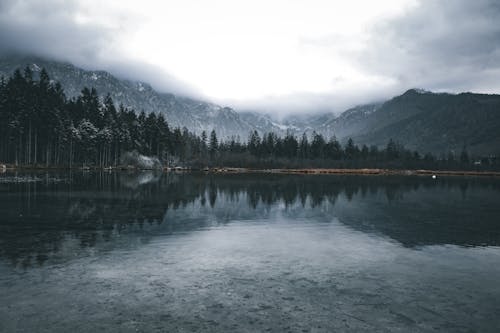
(180, 111)
(436, 122)
(418, 119)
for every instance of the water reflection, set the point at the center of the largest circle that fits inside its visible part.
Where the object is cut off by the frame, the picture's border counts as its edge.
(62, 215)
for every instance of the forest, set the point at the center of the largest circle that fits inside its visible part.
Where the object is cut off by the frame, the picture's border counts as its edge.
(41, 127)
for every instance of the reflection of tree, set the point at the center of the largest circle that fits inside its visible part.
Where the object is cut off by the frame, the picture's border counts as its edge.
(90, 208)
(212, 194)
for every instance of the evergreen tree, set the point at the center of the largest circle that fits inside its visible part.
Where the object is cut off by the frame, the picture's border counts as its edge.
(464, 156)
(391, 150)
(290, 146)
(350, 150)
(254, 143)
(334, 149)
(304, 147)
(214, 144)
(317, 146)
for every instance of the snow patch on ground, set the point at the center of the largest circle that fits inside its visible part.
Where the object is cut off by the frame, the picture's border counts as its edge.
(146, 161)
(139, 161)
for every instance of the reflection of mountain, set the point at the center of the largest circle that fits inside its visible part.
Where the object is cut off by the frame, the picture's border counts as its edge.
(44, 220)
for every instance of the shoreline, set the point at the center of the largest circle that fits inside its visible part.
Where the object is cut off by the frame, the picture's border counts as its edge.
(363, 171)
(301, 171)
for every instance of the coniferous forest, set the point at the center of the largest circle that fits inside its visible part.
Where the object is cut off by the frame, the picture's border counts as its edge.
(41, 127)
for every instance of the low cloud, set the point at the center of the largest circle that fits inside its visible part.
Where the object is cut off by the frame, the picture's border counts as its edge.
(445, 46)
(451, 46)
(49, 28)
(62, 30)
(441, 46)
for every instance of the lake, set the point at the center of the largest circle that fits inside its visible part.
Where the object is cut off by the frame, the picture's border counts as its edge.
(147, 252)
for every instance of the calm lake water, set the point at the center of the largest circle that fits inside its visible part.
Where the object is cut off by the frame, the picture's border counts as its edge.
(145, 252)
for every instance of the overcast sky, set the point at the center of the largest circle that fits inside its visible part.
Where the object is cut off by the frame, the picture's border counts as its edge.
(272, 55)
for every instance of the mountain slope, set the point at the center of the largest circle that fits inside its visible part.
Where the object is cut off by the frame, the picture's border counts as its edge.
(179, 111)
(264, 123)
(437, 123)
(349, 123)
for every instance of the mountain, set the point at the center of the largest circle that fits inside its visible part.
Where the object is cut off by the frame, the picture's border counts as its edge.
(296, 124)
(304, 123)
(349, 123)
(427, 122)
(264, 123)
(196, 115)
(418, 119)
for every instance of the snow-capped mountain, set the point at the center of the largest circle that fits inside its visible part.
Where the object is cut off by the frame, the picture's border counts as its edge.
(195, 115)
(418, 119)
(179, 111)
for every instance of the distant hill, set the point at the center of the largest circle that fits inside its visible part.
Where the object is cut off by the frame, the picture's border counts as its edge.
(432, 122)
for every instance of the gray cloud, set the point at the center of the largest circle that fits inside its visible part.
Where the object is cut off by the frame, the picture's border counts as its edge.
(49, 29)
(450, 46)
(310, 103)
(440, 45)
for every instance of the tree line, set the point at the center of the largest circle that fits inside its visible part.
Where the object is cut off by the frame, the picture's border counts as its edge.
(40, 126)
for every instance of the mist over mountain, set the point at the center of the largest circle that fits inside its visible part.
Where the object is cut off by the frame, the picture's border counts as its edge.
(418, 119)
(180, 111)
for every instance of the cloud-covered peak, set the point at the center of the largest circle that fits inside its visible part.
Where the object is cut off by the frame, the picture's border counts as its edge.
(282, 57)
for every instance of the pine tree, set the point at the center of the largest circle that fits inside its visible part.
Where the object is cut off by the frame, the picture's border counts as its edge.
(334, 149)
(290, 146)
(317, 146)
(391, 150)
(304, 147)
(464, 156)
(214, 144)
(350, 150)
(254, 143)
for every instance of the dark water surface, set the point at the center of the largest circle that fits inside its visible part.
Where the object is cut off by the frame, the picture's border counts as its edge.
(117, 252)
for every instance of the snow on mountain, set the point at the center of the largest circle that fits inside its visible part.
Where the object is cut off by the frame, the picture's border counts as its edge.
(195, 115)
